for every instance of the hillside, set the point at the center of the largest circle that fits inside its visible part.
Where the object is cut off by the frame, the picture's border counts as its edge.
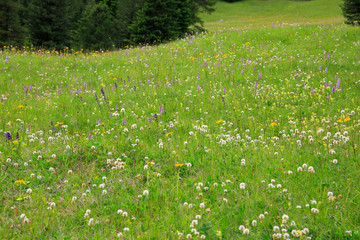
(256, 13)
(231, 134)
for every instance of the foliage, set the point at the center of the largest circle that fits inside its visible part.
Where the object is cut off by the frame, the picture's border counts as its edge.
(351, 11)
(49, 23)
(96, 24)
(152, 24)
(95, 28)
(11, 30)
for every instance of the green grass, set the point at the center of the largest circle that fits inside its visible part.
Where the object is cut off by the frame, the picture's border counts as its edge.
(266, 95)
(258, 13)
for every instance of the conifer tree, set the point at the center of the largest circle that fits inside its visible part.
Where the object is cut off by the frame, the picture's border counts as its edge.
(95, 29)
(351, 11)
(11, 30)
(49, 23)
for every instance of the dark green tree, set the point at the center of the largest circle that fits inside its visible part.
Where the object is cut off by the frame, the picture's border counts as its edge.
(159, 20)
(49, 23)
(95, 28)
(11, 29)
(351, 11)
(124, 17)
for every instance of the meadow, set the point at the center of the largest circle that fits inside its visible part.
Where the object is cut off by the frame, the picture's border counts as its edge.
(233, 134)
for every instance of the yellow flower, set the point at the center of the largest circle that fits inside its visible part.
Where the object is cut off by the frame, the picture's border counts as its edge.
(340, 120)
(16, 141)
(248, 43)
(20, 182)
(166, 135)
(346, 119)
(60, 123)
(273, 124)
(178, 164)
(20, 106)
(150, 163)
(219, 121)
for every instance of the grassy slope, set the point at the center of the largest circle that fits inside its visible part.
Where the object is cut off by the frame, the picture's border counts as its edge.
(255, 13)
(200, 81)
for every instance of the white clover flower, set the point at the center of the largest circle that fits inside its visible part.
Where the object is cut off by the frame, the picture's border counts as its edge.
(315, 210)
(242, 185)
(146, 192)
(91, 222)
(294, 233)
(29, 191)
(202, 205)
(246, 231)
(254, 223)
(241, 227)
(261, 217)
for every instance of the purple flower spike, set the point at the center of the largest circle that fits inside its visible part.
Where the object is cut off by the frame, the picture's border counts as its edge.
(338, 83)
(124, 122)
(149, 118)
(259, 76)
(313, 91)
(256, 85)
(8, 136)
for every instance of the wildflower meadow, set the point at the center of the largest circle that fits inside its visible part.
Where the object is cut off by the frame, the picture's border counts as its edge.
(231, 134)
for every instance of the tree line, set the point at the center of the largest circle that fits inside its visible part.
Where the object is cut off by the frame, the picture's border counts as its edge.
(97, 24)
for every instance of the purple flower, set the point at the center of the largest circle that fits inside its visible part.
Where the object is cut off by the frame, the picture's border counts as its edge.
(328, 98)
(224, 90)
(242, 71)
(155, 116)
(29, 127)
(333, 88)
(51, 122)
(98, 121)
(313, 90)
(256, 85)
(259, 76)
(338, 84)
(90, 136)
(17, 135)
(124, 122)
(103, 93)
(8, 136)
(149, 118)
